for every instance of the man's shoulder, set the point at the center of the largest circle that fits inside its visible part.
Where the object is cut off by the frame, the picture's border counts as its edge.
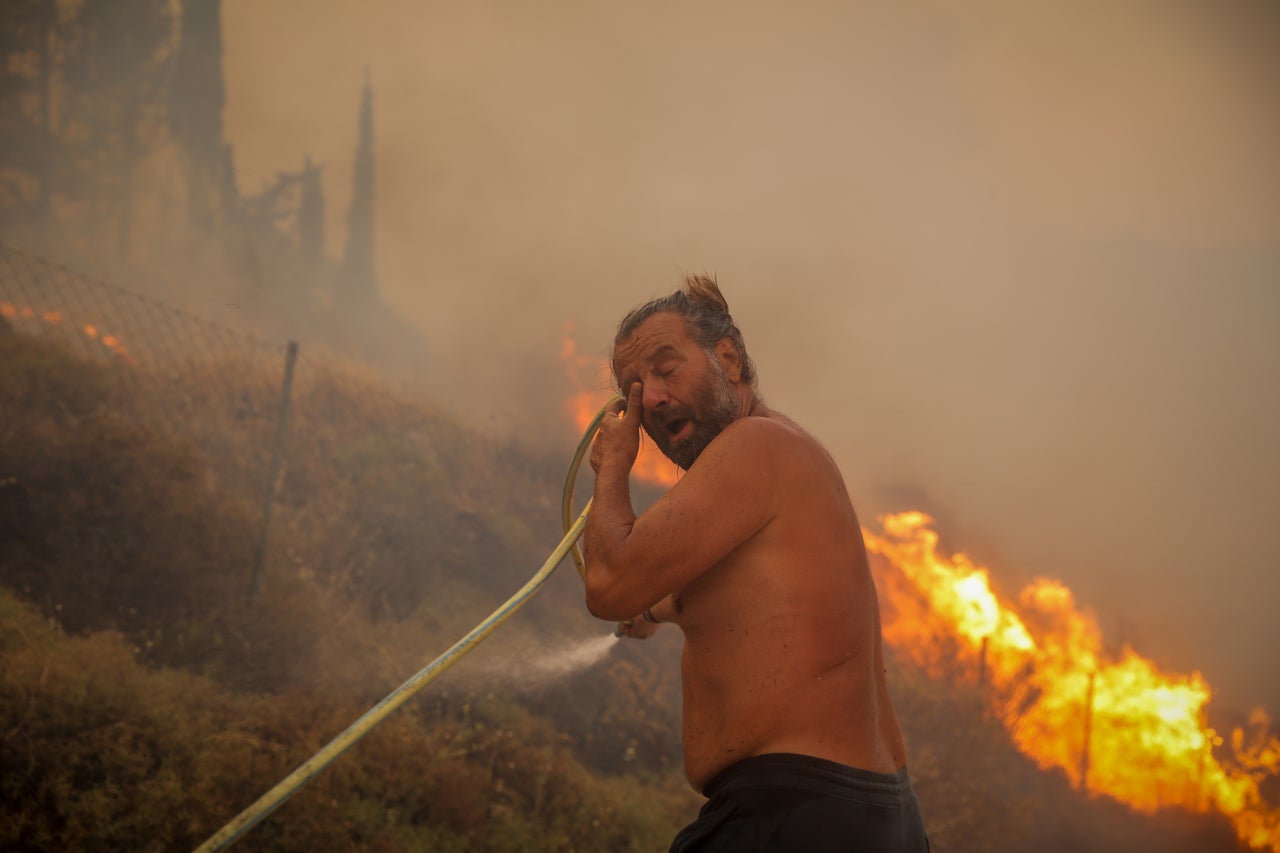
(770, 426)
(771, 433)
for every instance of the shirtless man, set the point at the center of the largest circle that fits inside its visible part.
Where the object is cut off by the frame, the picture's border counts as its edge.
(758, 556)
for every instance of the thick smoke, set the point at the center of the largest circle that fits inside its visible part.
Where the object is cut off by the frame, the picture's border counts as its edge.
(1014, 265)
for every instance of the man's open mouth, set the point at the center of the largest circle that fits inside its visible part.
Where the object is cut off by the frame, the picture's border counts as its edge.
(676, 427)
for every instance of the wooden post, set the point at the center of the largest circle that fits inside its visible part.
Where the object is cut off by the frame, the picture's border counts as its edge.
(1088, 735)
(273, 471)
(1201, 804)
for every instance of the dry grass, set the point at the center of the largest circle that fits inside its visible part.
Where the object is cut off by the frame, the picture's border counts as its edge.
(143, 703)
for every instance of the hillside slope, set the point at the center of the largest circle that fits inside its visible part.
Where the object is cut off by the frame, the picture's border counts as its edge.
(144, 701)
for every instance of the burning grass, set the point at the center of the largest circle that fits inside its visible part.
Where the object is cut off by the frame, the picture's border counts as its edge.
(1115, 726)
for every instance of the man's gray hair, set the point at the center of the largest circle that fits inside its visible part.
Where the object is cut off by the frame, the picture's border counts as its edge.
(706, 313)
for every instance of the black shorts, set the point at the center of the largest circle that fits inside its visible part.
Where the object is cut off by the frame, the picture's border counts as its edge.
(781, 802)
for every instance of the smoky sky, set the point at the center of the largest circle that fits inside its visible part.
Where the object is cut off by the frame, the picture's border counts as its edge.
(1017, 265)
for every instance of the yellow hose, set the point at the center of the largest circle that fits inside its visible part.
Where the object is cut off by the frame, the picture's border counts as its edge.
(310, 768)
(566, 505)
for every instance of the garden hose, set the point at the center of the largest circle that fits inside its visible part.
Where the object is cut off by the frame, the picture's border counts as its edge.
(566, 504)
(312, 767)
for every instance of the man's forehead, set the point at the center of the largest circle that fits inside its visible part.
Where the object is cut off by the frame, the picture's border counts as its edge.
(650, 339)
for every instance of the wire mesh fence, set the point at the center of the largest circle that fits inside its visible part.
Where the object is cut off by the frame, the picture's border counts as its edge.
(274, 423)
(185, 366)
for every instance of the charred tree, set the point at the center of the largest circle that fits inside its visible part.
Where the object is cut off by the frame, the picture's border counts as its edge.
(28, 42)
(115, 76)
(195, 115)
(311, 214)
(360, 286)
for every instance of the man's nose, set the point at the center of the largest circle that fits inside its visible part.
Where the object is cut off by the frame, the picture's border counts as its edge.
(655, 396)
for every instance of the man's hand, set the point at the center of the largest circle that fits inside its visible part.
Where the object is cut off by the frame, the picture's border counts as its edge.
(637, 628)
(618, 441)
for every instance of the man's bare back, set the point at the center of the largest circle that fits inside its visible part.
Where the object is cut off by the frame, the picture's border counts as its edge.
(758, 556)
(782, 636)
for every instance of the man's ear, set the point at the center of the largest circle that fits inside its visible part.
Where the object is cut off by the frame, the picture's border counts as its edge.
(730, 359)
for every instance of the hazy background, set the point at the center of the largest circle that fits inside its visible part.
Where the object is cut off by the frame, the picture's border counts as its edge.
(1017, 266)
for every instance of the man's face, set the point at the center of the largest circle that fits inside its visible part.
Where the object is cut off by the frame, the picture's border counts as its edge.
(687, 397)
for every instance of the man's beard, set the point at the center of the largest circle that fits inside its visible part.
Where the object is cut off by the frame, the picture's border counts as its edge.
(715, 406)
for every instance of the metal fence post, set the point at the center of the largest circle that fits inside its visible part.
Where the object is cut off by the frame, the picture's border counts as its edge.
(1088, 736)
(273, 474)
(982, 663)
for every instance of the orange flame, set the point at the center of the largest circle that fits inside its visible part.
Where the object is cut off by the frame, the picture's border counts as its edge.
(1118, 727)
(53, 317)
(651, 466)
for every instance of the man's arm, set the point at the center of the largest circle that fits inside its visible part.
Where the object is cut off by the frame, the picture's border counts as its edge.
(645, 625)
(727, 496)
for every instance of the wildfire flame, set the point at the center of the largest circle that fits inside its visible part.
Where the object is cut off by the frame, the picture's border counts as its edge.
(590, 377)
(53, 317)
(1118, 727)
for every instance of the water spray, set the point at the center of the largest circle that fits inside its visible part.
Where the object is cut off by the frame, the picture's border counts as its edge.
(309, 769)
(527, 672)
